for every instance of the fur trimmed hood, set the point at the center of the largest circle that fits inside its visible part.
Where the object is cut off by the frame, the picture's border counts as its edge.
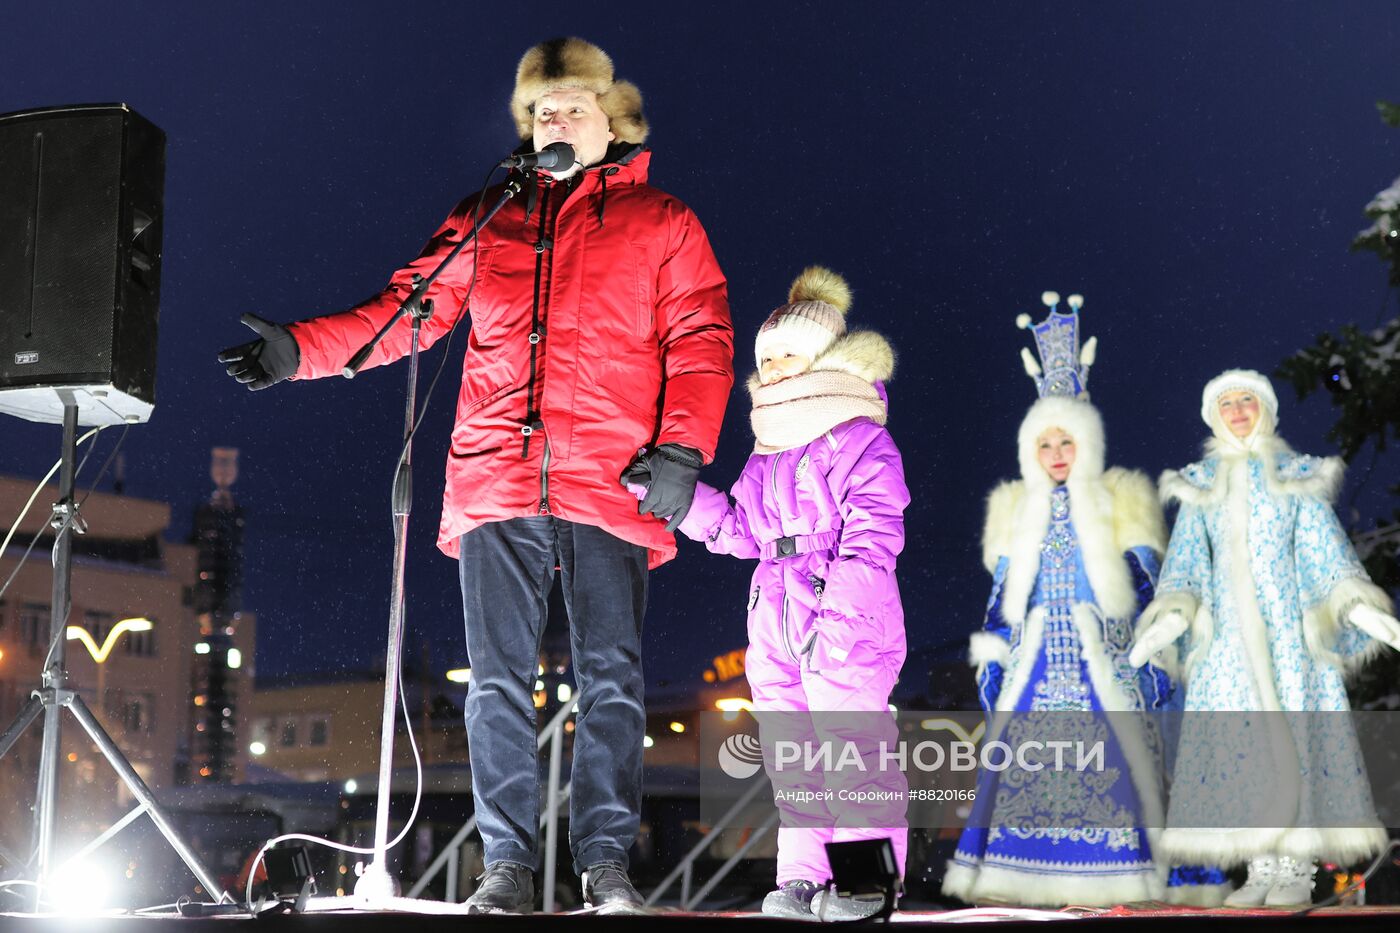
(1077, 418)
(573, 62)
(1112, 513)
(860, 353)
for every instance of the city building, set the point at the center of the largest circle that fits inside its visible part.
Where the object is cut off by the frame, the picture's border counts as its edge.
(131, 635)
(223, 654)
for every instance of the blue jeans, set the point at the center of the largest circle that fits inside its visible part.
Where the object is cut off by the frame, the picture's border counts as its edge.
(507, 571)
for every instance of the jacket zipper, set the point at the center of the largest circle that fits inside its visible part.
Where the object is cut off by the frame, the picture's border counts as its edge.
(544, 478)
(787, 641)
(542, 242)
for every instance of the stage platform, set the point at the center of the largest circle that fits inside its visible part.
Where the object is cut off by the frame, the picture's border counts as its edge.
(445, 918)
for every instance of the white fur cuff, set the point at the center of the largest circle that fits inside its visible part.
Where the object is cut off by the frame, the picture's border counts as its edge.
(984, 648)
(1322, 623)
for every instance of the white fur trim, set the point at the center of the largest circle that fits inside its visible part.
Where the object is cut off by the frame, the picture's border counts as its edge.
(1003, 506)
(1019, 675)
(1031, 521)
(1173, 486)
(1202, 634)
(1018, 516)
(1322, 623)
(1229, 847)
(1137, 513)
(1282, 474)
(985, 648)
(1035, 887)
(1077, 418)
(1237, 380)
(1180, 602)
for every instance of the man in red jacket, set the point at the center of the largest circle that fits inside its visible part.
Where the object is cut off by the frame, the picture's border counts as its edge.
(599, 327)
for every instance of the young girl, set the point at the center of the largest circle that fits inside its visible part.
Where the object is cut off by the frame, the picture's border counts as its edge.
(820, 505)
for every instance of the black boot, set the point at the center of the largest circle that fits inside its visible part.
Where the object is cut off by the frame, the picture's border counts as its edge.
(506, 888)
(607, 887)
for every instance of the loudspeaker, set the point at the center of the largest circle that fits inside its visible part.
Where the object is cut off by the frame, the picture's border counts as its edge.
(80, 232)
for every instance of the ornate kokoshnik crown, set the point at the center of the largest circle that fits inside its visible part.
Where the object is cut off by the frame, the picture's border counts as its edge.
(1065, 370)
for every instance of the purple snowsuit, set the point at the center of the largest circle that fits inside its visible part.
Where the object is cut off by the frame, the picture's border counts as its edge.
(825, 623)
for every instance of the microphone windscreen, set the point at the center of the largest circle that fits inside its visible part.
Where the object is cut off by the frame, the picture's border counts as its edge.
(563, 155)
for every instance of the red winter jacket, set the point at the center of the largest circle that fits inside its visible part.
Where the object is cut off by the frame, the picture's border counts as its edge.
(635, 348)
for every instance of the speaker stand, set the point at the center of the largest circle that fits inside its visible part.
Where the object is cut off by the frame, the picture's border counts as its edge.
(55, 695)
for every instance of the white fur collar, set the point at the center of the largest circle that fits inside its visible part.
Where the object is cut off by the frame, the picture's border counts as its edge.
(1111, 513)
(1292, 474)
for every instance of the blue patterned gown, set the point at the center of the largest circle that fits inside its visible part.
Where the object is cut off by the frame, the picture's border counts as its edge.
(1056, 838)
(1263, 563)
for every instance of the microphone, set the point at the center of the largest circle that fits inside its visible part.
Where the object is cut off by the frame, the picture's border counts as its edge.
(555, 155)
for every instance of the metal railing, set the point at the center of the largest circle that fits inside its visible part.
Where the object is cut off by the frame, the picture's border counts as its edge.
(450, 858)
(686, 869)
(556, 796)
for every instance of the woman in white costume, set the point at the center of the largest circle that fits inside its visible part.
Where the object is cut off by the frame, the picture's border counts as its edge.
(1263, 597)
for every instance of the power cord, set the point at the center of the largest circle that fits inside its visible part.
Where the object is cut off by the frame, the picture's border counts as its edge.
(340, 846)
(1336, 898)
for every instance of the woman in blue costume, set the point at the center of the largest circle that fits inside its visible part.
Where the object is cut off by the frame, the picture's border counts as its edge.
(1073, 550)
(1262, 594)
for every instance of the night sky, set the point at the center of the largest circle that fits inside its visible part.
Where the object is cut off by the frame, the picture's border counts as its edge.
(1197, 170)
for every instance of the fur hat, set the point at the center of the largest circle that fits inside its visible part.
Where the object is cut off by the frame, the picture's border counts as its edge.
(1078, 419)
(576, 63)
(813, 317)
(1240, 380)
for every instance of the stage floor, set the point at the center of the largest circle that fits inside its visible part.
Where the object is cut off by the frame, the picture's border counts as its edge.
(442, 918)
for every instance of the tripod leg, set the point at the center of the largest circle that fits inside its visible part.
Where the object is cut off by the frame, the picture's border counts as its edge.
(27, 714)
(46, 799)
(143, 793)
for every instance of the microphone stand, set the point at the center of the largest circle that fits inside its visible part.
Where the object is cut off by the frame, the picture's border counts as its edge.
(376, 885)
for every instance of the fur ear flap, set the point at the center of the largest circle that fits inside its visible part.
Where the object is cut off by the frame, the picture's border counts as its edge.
(862, 353)
(623, 105)
(817, 283)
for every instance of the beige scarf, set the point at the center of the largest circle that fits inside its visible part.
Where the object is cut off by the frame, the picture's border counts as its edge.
(800, 409)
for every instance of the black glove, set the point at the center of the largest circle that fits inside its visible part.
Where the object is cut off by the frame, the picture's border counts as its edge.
(266, 361)
(671, 474)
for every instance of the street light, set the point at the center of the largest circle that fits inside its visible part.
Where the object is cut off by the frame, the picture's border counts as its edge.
(78, 633)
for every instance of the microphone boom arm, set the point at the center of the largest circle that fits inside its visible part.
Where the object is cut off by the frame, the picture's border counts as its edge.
(415, 305)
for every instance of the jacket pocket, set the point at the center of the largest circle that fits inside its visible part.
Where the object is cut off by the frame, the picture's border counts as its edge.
(645, 296)
(474, 406)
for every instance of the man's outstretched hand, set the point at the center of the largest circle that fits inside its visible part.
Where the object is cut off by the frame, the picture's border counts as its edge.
(264, 362)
